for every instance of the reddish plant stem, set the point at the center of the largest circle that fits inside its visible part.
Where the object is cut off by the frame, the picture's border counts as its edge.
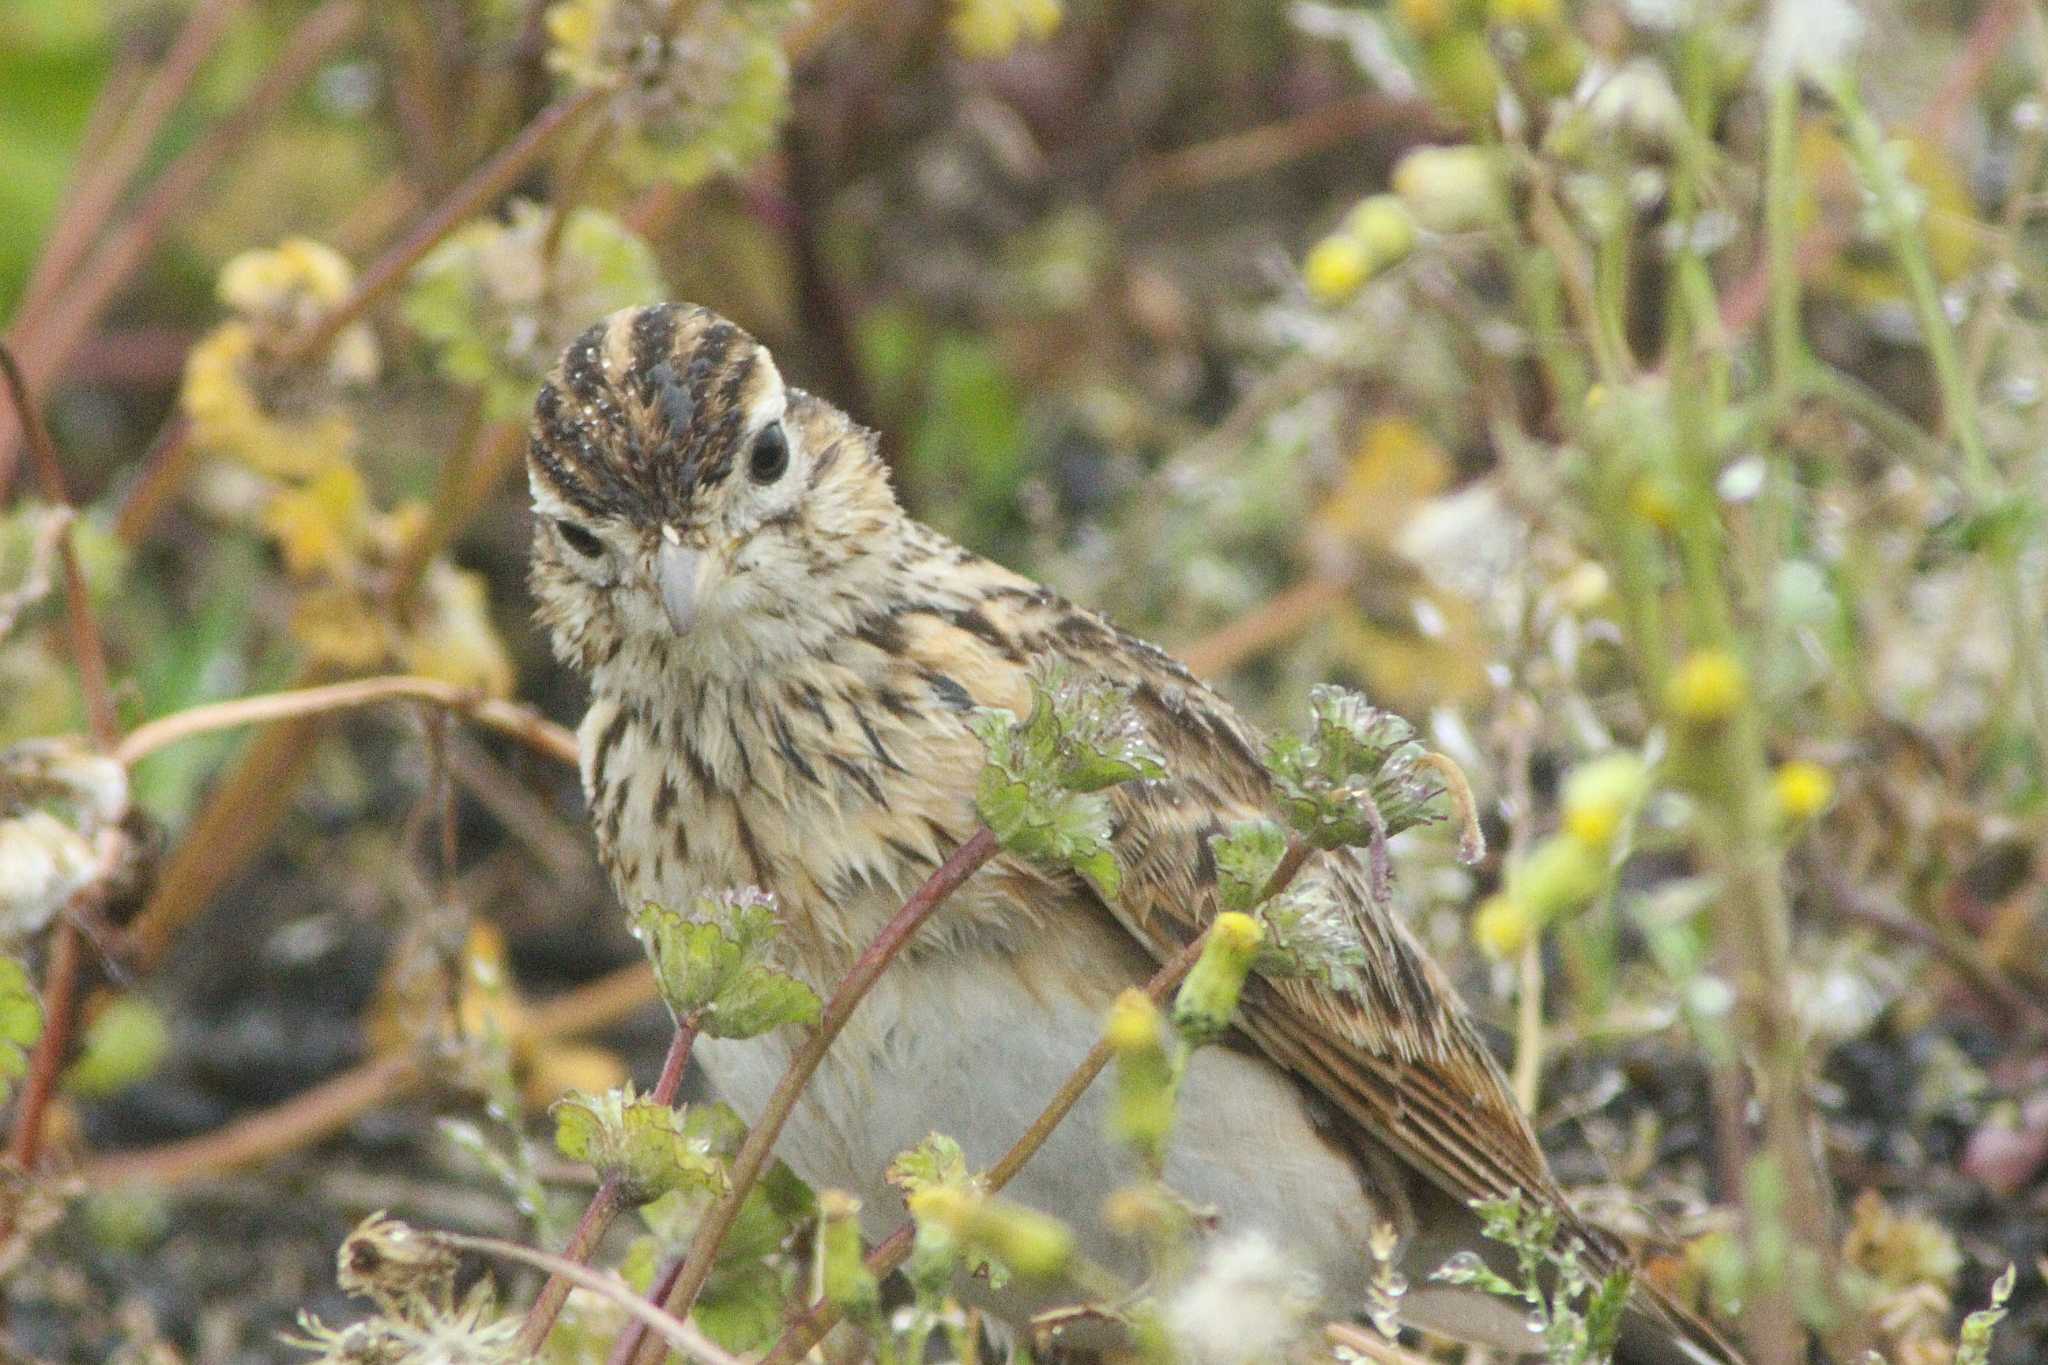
(89, 654)
(88, 647)
(108, 171)
(47, 345)
(604, 1205)
(332, 1105)
(483, 186)
(164, 467)
(633, 1340)
(752, 1157)
(60, 987)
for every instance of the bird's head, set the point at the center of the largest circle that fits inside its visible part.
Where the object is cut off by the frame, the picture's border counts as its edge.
(686, 500)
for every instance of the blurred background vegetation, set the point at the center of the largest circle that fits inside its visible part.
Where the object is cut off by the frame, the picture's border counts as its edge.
(1644, 398)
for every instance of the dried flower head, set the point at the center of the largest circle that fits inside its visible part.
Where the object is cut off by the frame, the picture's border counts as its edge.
(500, 300)
(697, 88)
(283, 422)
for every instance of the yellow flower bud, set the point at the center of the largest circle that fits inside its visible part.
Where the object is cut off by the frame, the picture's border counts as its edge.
(1501, 927)
(1032, 1244)
(1599, 795)
(1559, 876)
(1451, 189)
(1134, 1023)
(847, 1282)
(1706, 687)
(1383, 226)
(1207, 999)
(1337, 267)
(1427, 18)
(1802, 790)
(1143, 1109)
(1029, 1243)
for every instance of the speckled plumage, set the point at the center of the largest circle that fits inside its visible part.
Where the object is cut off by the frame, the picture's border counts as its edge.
(805, 732)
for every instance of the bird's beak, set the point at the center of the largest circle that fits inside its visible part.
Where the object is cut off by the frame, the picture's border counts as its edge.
(679, 575)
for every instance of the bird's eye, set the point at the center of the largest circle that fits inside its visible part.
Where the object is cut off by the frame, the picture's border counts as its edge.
(770, 456)
(580, 540)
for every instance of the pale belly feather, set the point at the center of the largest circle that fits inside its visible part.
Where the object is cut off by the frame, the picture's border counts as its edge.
(965, 1048)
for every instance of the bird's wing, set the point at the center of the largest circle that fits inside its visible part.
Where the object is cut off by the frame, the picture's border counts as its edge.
(1394, 1051)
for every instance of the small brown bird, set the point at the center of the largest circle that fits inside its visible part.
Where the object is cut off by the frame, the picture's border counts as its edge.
(782, 665)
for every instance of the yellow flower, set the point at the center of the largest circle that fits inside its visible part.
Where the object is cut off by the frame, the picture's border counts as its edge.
(1134, 1023)
(1802, 790)
(1383, 227)
(338, 626)
(294, 280)
(1598, 797)
(1706, 687)
(573, 28)
(1501, 927)
(229, 419)
(321, 525)
(1337, 267)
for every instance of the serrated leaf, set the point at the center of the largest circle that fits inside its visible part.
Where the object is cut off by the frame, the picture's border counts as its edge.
(716, 965)
(1247, 855)
(936, 1162)
(1353, 780)
(647, 1147)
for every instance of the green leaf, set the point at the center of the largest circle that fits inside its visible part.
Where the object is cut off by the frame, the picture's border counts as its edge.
(935, 1163)
(1041, 789)
(716, 965)
(1247, 855)
(21, 1022)
(125, 1044)
(647, 1147)
(1353, 779)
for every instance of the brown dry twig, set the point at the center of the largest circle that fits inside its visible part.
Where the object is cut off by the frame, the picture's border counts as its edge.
(49, 343)
(107, 171)
(331, 1106)
(89, 656)
(520, 722)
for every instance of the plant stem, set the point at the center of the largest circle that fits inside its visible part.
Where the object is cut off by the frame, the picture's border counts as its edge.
(49, 344)
(752, 1157)
(679, 1335)
(519, 721)
(604, 1205)
(483, 186)
(108, 170)
(332, 1105)
(89, 655)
